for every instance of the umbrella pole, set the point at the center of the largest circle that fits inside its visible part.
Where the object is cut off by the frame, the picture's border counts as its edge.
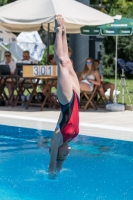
(116, 46)
(48, 41)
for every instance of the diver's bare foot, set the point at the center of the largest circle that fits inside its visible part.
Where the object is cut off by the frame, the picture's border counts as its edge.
(59, 21)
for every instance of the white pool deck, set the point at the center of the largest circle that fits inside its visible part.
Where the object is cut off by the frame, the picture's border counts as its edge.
(100, 123)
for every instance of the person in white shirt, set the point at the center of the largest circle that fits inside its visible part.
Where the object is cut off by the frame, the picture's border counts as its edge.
(8, 61)
(12, 65)
(26, 58)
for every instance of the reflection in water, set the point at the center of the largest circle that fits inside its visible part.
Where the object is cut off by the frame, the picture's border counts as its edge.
(78, 145)
(42, 142)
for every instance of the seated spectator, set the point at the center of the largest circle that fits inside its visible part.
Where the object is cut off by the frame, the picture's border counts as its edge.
(26, 57)
(89, 77)
(104, 86)
(12, 65)
(51, 59)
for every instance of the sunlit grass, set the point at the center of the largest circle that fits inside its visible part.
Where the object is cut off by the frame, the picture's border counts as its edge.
(129, 83)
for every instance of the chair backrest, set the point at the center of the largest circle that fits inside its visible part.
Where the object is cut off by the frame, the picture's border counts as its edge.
(89, 96)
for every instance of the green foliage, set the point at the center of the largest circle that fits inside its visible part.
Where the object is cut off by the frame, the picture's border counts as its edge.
(109, 45)
(108, 66)
(44, 36)
(125, 44)
(114, 7)
(125, 47)
(44, 59)
(3, 2)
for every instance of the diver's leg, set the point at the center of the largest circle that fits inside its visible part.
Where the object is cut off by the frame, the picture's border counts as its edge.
(73, 76)
(64, 84)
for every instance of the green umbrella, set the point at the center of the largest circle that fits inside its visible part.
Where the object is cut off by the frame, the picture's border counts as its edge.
(120, 27)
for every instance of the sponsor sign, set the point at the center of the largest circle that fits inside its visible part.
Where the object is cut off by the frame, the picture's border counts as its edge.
(39, 70)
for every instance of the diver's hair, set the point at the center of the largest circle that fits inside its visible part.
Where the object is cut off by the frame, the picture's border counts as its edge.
(70, 50)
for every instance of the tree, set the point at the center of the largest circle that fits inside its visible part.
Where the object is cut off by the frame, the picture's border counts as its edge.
(3, 2)
(125, 44)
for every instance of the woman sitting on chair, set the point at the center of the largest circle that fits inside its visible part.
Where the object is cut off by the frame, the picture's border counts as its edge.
(89, 77)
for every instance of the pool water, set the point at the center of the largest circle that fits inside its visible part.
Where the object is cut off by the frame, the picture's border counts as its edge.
(96, 169)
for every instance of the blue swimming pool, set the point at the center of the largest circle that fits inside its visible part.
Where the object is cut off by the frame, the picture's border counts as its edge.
(96, 169)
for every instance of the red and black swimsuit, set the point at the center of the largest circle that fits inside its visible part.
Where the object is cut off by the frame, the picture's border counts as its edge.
(69, 125)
